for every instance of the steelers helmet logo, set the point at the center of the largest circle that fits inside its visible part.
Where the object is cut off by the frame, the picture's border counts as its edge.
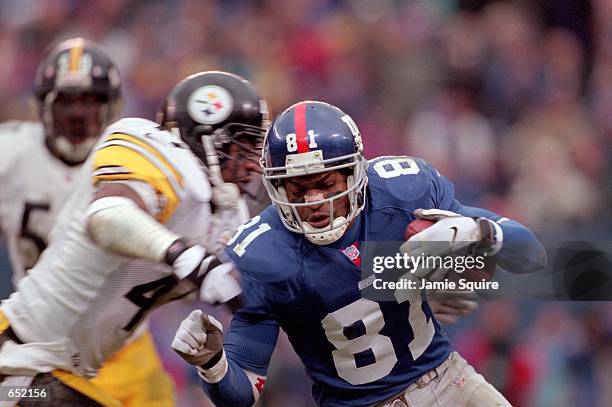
(210, 104)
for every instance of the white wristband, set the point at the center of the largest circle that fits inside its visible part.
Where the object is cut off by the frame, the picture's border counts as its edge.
(216, 373)
(188, 261)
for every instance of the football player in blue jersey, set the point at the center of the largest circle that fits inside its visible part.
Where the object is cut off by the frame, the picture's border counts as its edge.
(299, 260)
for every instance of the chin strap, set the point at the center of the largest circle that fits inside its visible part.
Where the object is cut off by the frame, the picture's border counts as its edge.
(315, 236)
(225, 195)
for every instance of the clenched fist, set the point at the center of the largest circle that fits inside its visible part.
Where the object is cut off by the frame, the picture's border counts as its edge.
(199, 340)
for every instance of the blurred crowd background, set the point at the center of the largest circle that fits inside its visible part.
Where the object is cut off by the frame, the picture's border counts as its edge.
(512, 100)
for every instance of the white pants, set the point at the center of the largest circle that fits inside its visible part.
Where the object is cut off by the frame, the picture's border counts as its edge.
(453, 383)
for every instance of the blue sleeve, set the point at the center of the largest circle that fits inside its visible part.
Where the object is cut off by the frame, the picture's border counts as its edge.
(234, 390)
(521, 251)
(248, 345)
(251, 341)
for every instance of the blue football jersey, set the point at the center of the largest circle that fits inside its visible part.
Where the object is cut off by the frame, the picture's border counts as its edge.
(357, 351)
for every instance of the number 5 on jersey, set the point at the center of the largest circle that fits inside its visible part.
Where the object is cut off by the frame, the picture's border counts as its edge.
(31, 244)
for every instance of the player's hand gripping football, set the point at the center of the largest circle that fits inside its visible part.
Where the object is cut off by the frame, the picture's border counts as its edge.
(451, 234)
(199, 339)
(480, 234)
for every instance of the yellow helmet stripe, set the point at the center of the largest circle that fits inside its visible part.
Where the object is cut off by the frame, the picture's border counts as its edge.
(75, 56)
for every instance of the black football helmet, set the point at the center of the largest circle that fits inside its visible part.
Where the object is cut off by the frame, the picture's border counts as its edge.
(212, 111)
(217, 104)
(77, 89)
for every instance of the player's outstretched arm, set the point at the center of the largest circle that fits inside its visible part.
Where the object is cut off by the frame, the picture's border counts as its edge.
(521, 251)
(119, 221)
(516, 248)
(232, 374)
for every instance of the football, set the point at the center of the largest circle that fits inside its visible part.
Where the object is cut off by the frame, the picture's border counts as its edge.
(471, 274)
(416, 226)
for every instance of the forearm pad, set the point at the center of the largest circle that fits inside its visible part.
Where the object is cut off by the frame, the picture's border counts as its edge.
(118, 225)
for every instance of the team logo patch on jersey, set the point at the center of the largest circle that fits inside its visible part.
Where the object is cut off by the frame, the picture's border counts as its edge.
(210, 104)
(352, 252)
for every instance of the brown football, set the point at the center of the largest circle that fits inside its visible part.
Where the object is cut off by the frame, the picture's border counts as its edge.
(416, 226)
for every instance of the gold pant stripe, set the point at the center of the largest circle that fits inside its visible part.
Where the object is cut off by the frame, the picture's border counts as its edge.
(150, 149)
(84, 387)
(4, 322)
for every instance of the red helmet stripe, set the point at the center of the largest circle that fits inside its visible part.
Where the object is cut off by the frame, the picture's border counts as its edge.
(300, 128)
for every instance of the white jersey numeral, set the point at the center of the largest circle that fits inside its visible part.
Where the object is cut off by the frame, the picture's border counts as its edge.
(394, 167)
(240, 248)
(368, 314)
(423, 329)
(32, 244)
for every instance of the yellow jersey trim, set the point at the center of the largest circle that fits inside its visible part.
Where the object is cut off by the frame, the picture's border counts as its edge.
(139, 168)
(150, 149)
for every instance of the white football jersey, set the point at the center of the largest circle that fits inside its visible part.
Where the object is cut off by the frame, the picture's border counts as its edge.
(33, 186)
(79, 304)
